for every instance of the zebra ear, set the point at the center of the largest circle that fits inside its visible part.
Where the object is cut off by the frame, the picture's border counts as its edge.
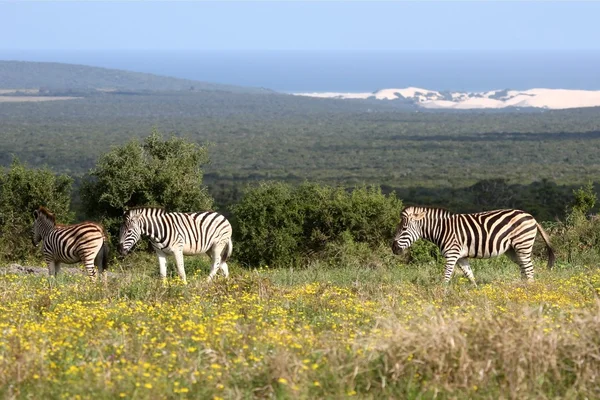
(419, 216)
(35, 214)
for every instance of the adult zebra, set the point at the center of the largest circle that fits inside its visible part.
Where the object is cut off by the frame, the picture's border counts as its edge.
(179, 234)
(85, 242)
(481, 235)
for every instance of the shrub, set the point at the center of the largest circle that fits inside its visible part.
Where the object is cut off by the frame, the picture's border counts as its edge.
(423, 252)
(276, 223)
(580, 232)
(157, 172)
(268, 225)
(584, 199)
(23, 190)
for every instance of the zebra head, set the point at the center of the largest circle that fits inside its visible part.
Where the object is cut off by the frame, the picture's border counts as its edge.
(130, 233)
(409, 229)
(43, 222)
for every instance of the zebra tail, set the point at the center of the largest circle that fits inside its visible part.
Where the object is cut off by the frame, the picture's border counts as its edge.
(102, 257)
(229, 248)
(546, 238)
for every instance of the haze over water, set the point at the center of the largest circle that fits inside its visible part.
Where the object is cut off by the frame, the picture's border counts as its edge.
(350, 71)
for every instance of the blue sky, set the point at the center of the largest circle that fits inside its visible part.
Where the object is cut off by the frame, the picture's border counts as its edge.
(471, 25)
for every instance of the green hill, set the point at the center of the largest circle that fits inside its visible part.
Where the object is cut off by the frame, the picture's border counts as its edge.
(36, 75)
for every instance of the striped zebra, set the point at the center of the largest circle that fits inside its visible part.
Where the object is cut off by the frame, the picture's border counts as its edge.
(85, 242)
(481, 235)
(179, 234)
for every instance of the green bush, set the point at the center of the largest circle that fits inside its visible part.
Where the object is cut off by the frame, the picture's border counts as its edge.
(423, 252)
(584, 199)
(156, 172)
(580, 232)
(23, 190)
(345, 252)
(278, 224)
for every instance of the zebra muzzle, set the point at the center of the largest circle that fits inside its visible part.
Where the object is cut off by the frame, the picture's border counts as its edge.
(122, 250)
(396, 248)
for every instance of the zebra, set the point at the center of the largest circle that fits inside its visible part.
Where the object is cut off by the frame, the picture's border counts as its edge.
(85, 242)
(179, 234)
(480, 235)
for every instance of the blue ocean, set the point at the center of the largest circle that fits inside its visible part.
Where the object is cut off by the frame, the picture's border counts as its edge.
(344, 71)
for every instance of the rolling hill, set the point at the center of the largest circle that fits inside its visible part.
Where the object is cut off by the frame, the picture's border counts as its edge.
(36, 75)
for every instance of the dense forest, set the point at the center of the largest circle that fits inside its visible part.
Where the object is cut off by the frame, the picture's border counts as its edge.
(465, 160)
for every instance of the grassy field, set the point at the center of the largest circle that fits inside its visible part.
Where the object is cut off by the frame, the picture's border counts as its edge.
(386, 330)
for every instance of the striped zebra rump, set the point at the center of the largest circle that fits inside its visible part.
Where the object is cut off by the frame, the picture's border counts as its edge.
(200, 231)
(73, 243)
(479, 235)
(490, 234)
(85, 242)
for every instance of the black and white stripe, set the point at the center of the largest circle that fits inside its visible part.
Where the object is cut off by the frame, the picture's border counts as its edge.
(179, 234)
(85, 242)
(480, 235)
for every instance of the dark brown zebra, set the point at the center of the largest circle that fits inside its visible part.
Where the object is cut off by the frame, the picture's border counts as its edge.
(85, 242)
(179, 234)
(480, 235)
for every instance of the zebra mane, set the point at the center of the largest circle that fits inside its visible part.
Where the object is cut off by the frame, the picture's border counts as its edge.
(437, 211)
(46, 213)
(141, 209)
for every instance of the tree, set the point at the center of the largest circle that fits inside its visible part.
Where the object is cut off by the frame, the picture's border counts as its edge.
(23, 190)
(492, 193)
(157, 172)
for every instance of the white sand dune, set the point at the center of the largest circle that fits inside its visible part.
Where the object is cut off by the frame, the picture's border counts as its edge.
(538, 98)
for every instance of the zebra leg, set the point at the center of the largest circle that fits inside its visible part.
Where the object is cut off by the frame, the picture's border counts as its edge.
(180, 266)
(449, 270)
(52, 270)
(223, 266)
(217, 251)
(162, 264)
(216, 261)
(463, 263)
(91, 269)
(522, 257)
(215, 254)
